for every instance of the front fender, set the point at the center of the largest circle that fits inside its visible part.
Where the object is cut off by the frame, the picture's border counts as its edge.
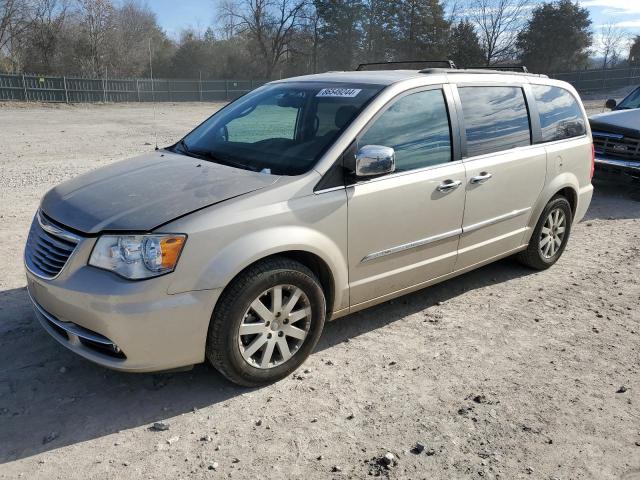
(219, 269)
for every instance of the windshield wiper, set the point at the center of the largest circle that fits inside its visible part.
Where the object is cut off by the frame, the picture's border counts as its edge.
(212, 157)
(181, 147)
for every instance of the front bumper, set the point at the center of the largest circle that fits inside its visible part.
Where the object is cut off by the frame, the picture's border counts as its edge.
(617, 165)
(123, 325)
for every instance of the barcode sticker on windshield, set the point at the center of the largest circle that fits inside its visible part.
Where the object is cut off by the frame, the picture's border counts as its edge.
(339, 92)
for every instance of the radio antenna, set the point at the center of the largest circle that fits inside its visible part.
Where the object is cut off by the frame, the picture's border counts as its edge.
(153, 95)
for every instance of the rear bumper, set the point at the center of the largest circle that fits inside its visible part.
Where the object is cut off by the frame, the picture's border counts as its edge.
(584, 200)
(617, 165)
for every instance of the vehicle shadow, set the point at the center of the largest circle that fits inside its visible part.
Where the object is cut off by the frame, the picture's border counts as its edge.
(47, 391)
(51, 398)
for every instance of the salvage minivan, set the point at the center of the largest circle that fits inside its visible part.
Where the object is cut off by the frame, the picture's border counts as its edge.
(303, 201)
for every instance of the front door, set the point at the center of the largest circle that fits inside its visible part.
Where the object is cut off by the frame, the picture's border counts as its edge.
(404, 227)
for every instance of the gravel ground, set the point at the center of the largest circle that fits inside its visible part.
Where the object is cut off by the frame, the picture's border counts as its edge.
(500, 373)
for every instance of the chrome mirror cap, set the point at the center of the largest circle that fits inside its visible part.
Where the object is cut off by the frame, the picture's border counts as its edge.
(372, 160)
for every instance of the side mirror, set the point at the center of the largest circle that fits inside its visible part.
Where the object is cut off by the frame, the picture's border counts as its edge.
(610, 104)
(373, 160)
(223, 133)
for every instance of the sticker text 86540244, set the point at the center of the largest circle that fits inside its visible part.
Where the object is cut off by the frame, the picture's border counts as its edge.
(339, 92)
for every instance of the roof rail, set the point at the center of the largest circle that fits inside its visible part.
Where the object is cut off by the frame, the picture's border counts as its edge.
(448, 63)
(515, 68)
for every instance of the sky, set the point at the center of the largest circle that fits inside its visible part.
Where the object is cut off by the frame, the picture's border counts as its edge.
(175, 15)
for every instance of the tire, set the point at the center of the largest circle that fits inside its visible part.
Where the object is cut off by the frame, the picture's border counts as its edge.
(544, 250)
(231, 352)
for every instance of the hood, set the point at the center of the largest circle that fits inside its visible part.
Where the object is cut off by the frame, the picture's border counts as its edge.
(624, 122)
(145, 192)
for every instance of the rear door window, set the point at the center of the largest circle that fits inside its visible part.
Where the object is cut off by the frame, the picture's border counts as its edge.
(495, 119)
(560, 114)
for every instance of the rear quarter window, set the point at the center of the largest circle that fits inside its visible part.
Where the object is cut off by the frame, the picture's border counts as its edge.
(560, 113)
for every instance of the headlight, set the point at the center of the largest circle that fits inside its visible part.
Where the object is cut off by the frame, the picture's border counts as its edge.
(137, 256)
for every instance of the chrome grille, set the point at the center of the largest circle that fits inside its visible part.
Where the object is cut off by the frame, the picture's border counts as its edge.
(616, 145)
(48, 247)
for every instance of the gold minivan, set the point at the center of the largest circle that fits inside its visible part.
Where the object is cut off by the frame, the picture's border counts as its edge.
(306, 200)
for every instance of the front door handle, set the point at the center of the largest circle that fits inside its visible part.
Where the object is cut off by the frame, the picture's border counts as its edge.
(449, 185)
(483, 177)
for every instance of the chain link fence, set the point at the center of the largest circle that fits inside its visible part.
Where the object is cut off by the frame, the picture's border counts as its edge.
(45, 88)
(587, 81)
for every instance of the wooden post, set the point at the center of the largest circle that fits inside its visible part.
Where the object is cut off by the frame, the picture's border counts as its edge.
(200, 86)
(66, 92)
(226, 90)
(138, 88)
(577, 86)
(24, 86)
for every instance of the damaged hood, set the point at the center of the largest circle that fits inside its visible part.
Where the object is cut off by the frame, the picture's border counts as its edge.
(145, 192)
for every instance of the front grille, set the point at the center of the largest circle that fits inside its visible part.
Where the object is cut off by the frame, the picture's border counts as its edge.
(616, 145)
(48, 247)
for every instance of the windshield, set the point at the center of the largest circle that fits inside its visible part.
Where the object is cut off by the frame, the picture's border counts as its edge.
(281, 129)
(632, 100)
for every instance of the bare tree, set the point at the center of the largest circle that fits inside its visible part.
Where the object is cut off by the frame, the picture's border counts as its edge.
(611, 41)
(498, 23)
(13, 24)
(228, 18)
(96, 21)
(270, 25)
(133, 24)
(47, 21)
(9, 10)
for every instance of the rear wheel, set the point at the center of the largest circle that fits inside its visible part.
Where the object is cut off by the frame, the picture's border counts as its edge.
(550, 236)
(267, 322)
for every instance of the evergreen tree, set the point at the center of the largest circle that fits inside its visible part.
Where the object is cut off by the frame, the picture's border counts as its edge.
(340, 32)
(422, 30)
(556, 38)
(464, 45)
(634, 52)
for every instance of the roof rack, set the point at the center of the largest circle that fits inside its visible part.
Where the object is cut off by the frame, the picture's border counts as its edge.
(448, 63)
(515, 68)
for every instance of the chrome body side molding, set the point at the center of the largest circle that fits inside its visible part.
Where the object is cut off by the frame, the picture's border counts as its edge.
(410, 245)
(493, 221)
(444, 236)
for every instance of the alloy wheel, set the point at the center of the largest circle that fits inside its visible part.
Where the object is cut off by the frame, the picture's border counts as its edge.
(274, 326)
(552, 233)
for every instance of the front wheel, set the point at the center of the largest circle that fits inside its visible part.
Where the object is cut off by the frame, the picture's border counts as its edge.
(266, 323)
(550, 236)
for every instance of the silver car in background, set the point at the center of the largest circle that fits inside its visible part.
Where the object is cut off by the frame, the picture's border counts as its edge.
(301, 202)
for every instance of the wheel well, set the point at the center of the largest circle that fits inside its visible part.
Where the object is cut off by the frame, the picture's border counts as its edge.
(571, 197)
(320, 268)
(313, 263)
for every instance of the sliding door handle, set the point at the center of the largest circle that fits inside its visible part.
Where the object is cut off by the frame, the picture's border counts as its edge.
(449, 185)
(483, 177)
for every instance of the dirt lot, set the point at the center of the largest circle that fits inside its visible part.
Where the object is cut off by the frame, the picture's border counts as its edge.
(501, 373)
